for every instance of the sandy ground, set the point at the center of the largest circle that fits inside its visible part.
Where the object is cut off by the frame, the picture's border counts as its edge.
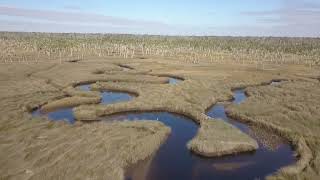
(34, 148)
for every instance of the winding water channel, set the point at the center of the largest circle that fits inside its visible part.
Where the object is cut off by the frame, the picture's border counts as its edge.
(107, 97)
(174, 161)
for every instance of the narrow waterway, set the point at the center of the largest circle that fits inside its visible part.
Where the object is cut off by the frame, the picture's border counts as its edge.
(107, 97)
(66, 114)
(174, 161)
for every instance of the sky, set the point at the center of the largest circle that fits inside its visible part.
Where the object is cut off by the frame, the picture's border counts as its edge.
(294, 18)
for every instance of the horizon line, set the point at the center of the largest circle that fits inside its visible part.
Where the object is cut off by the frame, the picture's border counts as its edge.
(164, 35)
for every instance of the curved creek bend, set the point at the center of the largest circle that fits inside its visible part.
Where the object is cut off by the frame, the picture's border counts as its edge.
(174, 161)
(107, 97)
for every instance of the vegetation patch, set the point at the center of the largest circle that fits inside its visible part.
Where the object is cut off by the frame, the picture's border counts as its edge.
(69, 102)
(212, 139)
(33, 72)
(292, 113)
(216, 138)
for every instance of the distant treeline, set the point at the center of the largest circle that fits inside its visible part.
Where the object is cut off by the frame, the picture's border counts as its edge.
(17, 45)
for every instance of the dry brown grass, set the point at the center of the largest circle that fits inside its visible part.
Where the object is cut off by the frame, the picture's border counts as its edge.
(39, 149)
(227, 140)
(263, 52)
(69, 102)
(267, 138)
(291, 110)
(214, 138)
(86, 147)
(83, 151)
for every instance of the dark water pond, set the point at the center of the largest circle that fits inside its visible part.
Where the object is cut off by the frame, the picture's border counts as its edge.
(174, 161)
(66, 114)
